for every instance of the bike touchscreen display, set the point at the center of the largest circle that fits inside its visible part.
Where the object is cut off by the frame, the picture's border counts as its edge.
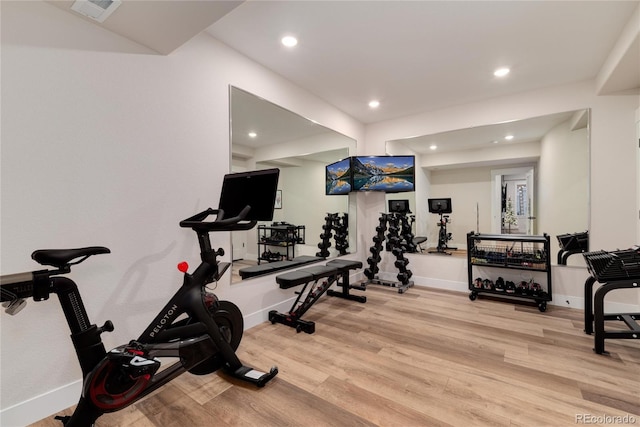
(255, 188)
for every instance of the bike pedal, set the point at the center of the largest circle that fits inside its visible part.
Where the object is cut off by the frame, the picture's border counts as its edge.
(134, 362)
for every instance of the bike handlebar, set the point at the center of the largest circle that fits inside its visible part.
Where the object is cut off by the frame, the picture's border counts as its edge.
(198, 223)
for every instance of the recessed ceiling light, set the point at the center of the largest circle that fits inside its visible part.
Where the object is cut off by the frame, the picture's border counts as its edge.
(495, 142)
(252, 134)
(433, 146)
(374, 103)
(289, 41)
(501, 72)
(508, 137)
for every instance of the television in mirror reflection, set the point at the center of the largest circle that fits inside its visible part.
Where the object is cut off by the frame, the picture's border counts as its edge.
(338, 178)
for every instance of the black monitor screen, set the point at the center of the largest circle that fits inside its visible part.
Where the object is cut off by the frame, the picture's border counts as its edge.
(399, 206)
(256, 189)
(440, 205)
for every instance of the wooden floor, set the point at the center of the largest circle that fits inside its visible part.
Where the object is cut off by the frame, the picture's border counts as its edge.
(422, 358)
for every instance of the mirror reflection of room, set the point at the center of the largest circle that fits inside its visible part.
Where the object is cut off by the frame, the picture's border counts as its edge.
(525, 177)
(265, 135)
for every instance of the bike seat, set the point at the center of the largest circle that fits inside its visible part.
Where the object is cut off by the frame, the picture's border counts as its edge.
(61, 257)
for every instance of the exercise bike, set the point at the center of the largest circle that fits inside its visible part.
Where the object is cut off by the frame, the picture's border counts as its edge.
(443, 237)
(441, 207)
(198, 332)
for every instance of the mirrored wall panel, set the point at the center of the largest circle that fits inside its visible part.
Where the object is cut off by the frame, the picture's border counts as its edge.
(526, 176)
(265, 135)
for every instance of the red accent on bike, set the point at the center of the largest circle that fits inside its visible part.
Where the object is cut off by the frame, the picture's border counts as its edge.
(183, 267)
(137, 352)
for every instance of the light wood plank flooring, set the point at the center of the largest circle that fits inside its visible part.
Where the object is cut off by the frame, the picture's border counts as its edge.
(423, 358)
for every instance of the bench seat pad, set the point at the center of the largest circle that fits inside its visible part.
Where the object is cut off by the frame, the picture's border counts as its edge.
(272, 267)
(293, 278)
(345, 264)
(305, 275)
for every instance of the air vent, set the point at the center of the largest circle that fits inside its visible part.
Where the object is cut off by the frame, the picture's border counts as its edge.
(98, 10)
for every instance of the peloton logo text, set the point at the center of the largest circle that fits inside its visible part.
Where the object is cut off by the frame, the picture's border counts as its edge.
(164, 320)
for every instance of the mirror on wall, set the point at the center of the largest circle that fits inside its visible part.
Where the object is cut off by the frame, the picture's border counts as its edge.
(265, 135)
(526, 176)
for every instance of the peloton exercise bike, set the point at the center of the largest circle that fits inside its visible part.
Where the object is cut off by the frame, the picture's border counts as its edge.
(441, 207)
(195, 330)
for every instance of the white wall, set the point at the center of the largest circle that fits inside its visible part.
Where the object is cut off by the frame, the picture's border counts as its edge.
(107, 143)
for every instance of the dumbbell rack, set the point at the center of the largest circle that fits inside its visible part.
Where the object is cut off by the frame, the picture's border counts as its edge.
(325, 236)
(341, 233)
(571, 244)
(334, 226)
(613, 270)
(404, 274)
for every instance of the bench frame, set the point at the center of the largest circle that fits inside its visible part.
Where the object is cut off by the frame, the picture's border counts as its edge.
(317, 279)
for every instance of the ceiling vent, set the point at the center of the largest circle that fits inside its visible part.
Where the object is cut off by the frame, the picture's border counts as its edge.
(98, 10)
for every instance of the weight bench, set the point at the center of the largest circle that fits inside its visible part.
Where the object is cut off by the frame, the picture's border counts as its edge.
(318, 279)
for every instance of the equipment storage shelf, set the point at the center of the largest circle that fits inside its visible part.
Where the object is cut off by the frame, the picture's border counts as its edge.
(510, 266)
(280, 235)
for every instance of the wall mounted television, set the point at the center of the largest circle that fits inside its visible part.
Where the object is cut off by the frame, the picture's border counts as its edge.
(390, 174)
(338, 177)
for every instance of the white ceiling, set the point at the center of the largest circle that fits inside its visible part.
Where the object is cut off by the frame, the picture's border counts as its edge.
(414, 56)
(417, 56)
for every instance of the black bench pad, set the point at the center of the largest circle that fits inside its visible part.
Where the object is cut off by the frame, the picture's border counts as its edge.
(272, 267)
(306, 275)
(345, 264)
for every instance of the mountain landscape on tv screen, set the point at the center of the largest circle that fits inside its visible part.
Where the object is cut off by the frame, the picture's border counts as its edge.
(390, 174)
(378, 167)
(338, 173)
(338, 178)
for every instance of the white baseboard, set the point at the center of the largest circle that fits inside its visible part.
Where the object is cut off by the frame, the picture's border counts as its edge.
(39, 407)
